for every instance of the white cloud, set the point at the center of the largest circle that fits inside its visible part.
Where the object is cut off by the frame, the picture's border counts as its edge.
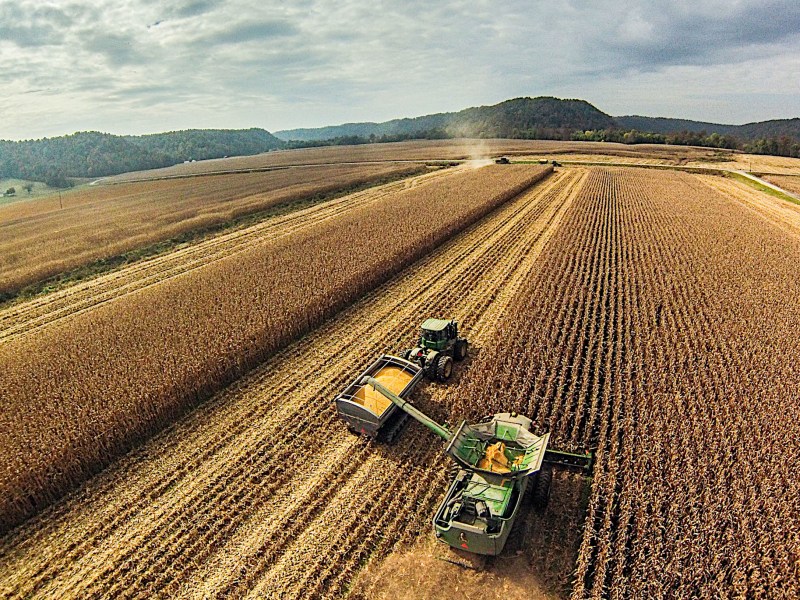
(149, 65)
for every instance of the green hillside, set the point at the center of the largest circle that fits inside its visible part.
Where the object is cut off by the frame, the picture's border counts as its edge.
(93, 154)
(518, 118)
(747, 132)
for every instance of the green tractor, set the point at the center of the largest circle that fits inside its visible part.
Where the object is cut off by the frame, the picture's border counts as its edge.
(500, 464)
(439, 345)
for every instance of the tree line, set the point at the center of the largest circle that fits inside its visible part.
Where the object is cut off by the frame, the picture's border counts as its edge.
(57, 161)
(777, 146)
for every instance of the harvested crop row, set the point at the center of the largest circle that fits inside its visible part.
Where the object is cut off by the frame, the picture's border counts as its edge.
(82, 391)
(657, 331)
(24, 318)
(245, 469)
(46, 237)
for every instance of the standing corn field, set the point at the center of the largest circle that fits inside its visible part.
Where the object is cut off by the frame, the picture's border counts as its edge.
(660, 331)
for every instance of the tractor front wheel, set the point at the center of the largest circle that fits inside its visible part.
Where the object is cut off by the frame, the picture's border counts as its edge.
(461, 349)
(431, 364)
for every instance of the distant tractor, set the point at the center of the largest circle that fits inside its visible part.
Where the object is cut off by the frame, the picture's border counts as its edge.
(502, 161)
(439, 345)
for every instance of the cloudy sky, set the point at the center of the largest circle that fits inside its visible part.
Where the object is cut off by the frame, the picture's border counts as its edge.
(144, 66)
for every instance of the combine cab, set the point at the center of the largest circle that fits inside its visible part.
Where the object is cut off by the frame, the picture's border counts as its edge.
(439, 345)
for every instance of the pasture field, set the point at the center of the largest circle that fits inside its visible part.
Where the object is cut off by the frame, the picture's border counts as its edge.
(48, 236)
(648, 315)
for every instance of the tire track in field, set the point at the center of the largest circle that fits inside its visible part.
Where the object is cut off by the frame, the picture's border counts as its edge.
(209, 458)
(26, 317)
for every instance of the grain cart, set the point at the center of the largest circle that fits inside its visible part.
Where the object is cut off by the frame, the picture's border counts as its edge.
(368, 411)
(500, 464)
(439, 345)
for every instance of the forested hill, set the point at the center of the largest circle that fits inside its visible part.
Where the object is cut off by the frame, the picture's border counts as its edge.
(750, 131)
(531, 118)
(666, 125)
(93, 154)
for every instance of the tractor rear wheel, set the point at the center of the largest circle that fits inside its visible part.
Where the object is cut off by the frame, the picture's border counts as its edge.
(444, 367)
(541, 490)
(461, 349)
(406, 354)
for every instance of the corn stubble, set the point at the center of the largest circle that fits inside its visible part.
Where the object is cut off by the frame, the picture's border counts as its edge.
(86, 389)
(662, 330)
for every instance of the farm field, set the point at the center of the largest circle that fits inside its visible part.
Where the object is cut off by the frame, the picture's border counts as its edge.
(790, 184)
(649, 315)
(45, 237)
(234, 468)
(24, 317)
(663, 315)
(689, 157)
(82, 396)
(437, 150)
(763, 163)
(781, 213)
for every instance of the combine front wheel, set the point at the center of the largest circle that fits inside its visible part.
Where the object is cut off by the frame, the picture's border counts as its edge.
(541, 491)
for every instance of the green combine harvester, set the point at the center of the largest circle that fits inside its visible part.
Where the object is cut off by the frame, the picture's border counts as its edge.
(500, 463)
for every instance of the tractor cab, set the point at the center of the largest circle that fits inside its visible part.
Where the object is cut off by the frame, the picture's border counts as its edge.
(437, 333)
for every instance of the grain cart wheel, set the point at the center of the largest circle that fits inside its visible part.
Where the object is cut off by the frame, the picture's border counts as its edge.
(460, 350)
(541, 491)
(444, 367)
